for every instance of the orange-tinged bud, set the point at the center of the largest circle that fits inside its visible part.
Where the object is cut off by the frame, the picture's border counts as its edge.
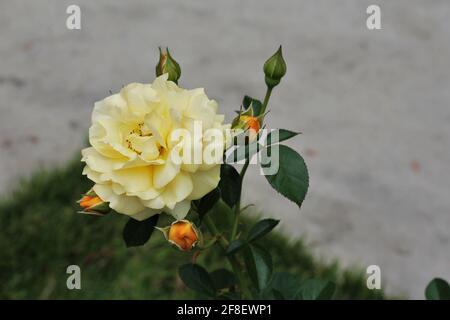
(87, 202)
(93, 204)
(183, 234)
(251, 122)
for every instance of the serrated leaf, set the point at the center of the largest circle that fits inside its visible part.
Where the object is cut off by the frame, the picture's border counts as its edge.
(314, 289)
(197, 278)
(235, 246)
(283, 134)
(229, 185)
(259, 266)
(291, 179)
(261, 228)
(137, 233)
(438, 289)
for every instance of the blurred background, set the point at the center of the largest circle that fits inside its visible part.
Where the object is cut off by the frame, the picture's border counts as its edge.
(373, 107)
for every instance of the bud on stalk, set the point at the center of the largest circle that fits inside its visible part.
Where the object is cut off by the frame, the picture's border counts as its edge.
(93, 204)
(183, 234)
(167, 64)
(274, 69)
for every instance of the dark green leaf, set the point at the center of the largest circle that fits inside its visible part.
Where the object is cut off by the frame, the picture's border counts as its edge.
(283, 135)
(291, 179)
(207, 202)
(256, 105)
(314, 289)
(261, 228)
(438, 289)
(197, 278)
(230, 184)
(259, 266)
(286, 284)
(136, 233)
(235, 246)
(222, 278)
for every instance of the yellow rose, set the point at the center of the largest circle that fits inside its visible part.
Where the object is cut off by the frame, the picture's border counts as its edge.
(138, 161)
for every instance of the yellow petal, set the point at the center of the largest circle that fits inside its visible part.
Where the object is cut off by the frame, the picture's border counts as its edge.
(204, 182)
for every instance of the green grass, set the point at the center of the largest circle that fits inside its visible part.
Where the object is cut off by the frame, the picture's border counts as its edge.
(41, 234)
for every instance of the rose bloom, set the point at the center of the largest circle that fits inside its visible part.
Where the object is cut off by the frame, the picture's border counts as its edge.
(131, 146)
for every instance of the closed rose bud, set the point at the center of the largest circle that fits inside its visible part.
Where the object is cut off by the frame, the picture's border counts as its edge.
(252, 125)
(93, 204)
(167, 64)
(182, 233)
(274, 69)
(247, 122)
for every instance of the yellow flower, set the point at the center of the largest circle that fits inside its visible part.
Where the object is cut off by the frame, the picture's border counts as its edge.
(140, 162)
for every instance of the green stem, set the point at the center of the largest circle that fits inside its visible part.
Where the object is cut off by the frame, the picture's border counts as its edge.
(266, 99)
(237, 208)
(231, 258)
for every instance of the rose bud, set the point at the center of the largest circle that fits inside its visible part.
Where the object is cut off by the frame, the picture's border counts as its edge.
(274, 69)
(182, 233)
(93, 204)
(168, 65)
(246, 121)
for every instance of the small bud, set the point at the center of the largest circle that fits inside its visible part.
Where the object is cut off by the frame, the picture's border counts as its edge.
(93, 204)
(182, 233)
(246, 121)
(168, 65)
(274, 69)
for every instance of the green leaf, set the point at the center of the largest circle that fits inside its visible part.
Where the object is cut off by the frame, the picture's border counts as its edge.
(207, 202)
(285, 284)
(136, 233)
(254, 103)
(283, 135)
(259, 266)
(261, 228)
(230, 184)
(197, 278)
(291, 179)
(222, 279)
(314, 289)
(438, 289)
(235, 246)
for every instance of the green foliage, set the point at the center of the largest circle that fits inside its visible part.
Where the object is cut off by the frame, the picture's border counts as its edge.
(229, 185)
(261, 228)
(207, 202)
(235, 246)
(259, 265)
(283, 134)
(438, 289)
(41, 234)
(315, 289)
(137, 233)
(254, 105)
(222, 279)
(292, 178)
(197, 278)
